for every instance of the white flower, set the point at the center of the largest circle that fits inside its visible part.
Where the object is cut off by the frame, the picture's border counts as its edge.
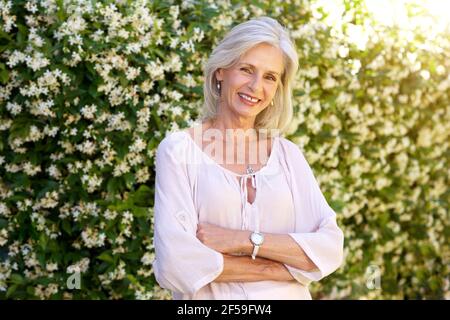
(88, 147)
(174, 64)
(174, 43)
(75, 39)
(343, 51)
(5, 124)
(14, 108)
(50, 267)
(198, 34)
(133, 48)
(4, 210)
(143, 295)
(315, 107)
(188, 46)
(93, 182)
(35, 134)
(81, 266)
(329, 82)
(117, 122)
(128, 216)
(31, 170)
(188, 81)
(175, 95)
(50, 200)
(51, 132)
(43, 108)
(142, 175)
(312, 73)
(138, 145)
(155, 70)
(357, 36)
(148, 258)
(15, 58)
(12, 168)
(356, 66)
(382, 182)
(132, 73)
(120, 169)
(174, 11)
(8, 19)
(35, 38)
(92, 238)
(31, 6)
(37, 61)
(424, 138)
(110, 214)
(143, 116)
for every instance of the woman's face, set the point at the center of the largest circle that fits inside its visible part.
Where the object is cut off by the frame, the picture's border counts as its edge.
(249, 86)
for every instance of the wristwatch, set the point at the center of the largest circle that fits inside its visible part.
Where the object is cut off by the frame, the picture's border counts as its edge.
(257, 239)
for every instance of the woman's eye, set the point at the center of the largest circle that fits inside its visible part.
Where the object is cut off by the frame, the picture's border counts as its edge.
(246, 70)
(272, 78)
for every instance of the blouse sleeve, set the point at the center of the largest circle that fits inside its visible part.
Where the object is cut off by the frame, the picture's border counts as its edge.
(182, 263)
(321, 238)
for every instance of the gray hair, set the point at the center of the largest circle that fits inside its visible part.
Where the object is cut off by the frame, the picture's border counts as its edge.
(236, 43)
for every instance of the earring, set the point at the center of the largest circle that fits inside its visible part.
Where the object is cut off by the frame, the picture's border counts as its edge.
(271, 103)
(218, 85)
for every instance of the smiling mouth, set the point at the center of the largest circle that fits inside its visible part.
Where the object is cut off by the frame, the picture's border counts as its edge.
(248, 98)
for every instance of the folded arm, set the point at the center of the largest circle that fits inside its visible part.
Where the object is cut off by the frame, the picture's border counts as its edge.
(245, 269)
(278, 248)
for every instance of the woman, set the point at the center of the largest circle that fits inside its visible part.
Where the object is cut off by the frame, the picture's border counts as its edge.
(240, 228)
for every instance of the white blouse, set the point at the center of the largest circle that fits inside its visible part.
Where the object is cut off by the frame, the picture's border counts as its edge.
(192, 188)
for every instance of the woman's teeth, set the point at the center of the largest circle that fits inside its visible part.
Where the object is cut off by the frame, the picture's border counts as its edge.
(246, 97)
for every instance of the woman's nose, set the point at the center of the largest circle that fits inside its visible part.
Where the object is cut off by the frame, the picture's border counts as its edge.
(256, 83)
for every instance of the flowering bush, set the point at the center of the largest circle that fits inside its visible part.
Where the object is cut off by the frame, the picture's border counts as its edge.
(89, 88)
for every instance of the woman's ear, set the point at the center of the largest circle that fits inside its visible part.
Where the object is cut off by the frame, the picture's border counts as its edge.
(219, 74)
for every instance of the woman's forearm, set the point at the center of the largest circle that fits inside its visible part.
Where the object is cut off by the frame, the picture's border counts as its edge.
(277, 247)
(280, 248)
(245, 269)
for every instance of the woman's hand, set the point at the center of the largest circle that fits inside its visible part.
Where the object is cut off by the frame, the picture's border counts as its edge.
(224, 240)
(245, 269)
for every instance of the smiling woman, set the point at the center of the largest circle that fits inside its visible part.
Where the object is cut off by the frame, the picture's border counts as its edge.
(243, 228)
(256, 50)
(251, 82)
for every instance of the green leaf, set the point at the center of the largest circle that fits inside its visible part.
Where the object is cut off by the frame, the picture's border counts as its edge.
(143, 196)
(129, 179)
(17, 279)
(113, 185)
(140, 212)
(4, 76)
(43, 241)
(30, 291)
(105, 257)
(3, 223)
(132, 279)
(66, 226)
(11, 290)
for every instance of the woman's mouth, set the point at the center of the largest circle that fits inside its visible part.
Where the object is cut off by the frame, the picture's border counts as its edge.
(248, 100)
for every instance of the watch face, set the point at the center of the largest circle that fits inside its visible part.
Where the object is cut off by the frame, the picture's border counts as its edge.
(257, 238)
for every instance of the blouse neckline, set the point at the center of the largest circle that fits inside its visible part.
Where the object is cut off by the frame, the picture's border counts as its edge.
(262, 169)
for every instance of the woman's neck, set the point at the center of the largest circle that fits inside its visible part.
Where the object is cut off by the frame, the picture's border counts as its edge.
(232, 129)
